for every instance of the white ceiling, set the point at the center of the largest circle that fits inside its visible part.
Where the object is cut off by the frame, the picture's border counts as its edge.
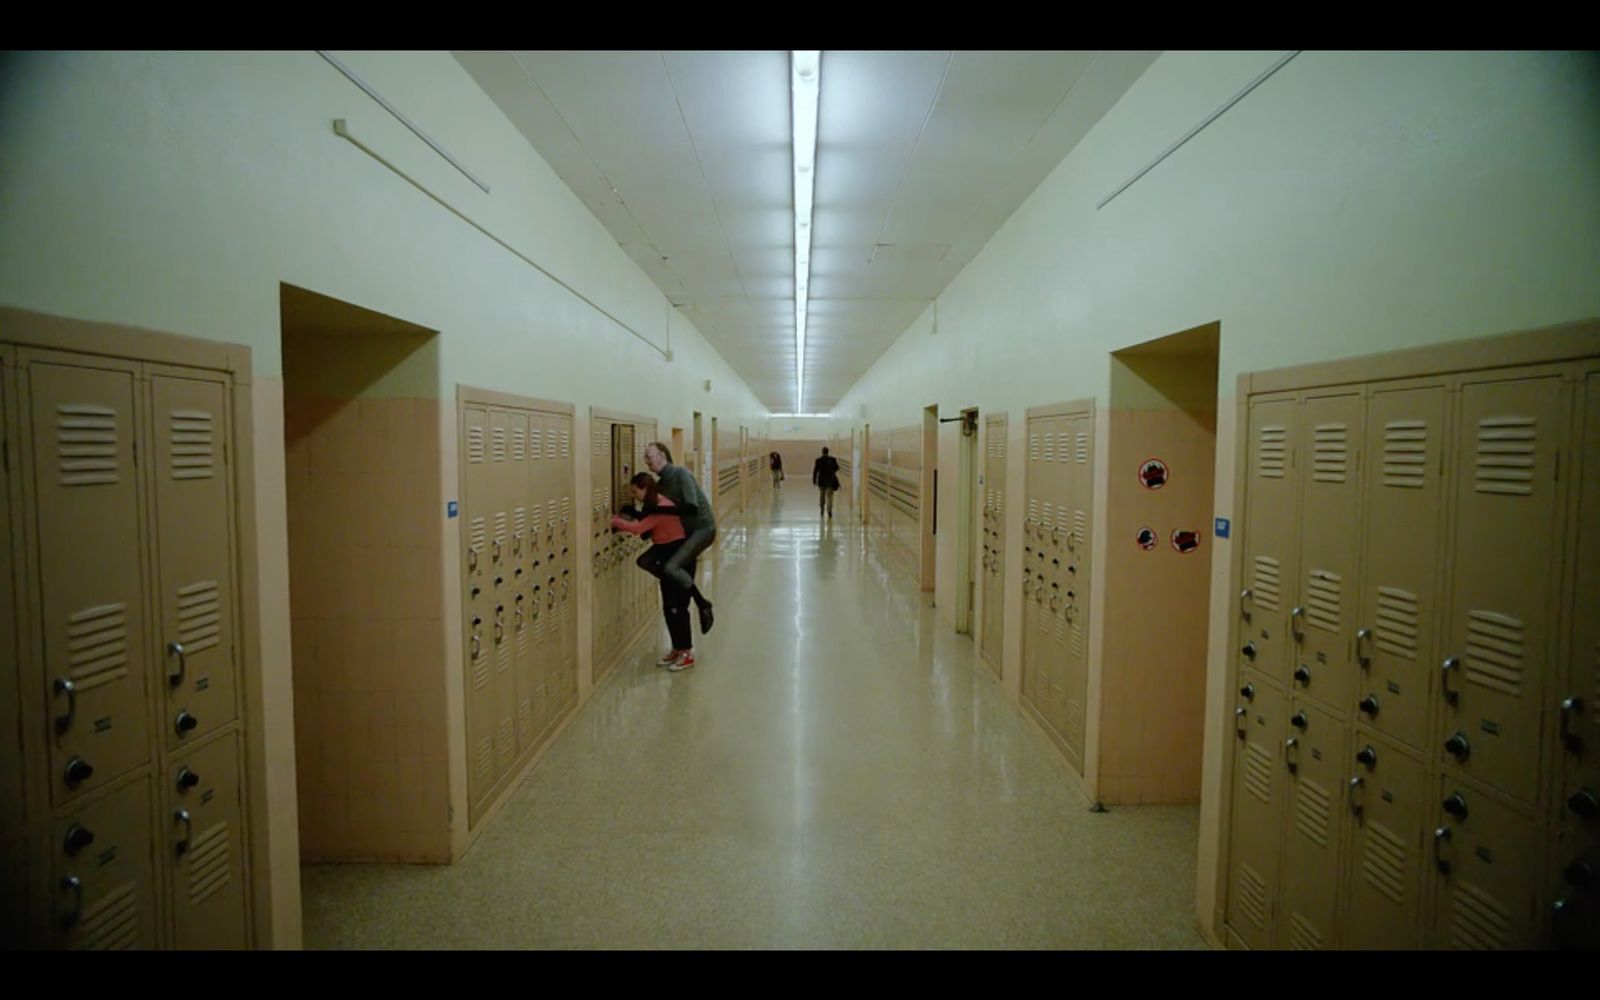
(921, 156)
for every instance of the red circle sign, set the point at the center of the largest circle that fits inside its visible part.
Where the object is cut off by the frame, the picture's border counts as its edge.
(1153, 474)
(1185, 541)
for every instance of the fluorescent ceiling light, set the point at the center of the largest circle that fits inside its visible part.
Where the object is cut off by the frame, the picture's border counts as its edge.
(805, 79)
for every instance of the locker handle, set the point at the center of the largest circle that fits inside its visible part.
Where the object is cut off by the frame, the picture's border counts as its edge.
(1291, 748)
(1569, 739)
(1245, 595)
(1243, 727)
(74, 885)
(1294, 623)
(176, 680)
(182, 816)
(497, 547)
(499, 630)
(1363, 635)
(68, 688)
(1356, 783)
(1450, 663)
(472, 558)
(477, 645)
(1440, 836)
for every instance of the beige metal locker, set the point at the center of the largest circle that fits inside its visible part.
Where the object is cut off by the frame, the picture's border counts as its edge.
(994, 541)
(13, 785)
(478, 572)
(1489, 857)
(524, 630)
(1315, 763)
(1270, 534)
(1401, 597)
(1390, 802)
(1575, 861)
(1504, 555)
(504, 479)
(104, 872)
(205, 848)
(1321, 622)
(193, 548)
(1071, 548)
(1258, 809)
(90, 533)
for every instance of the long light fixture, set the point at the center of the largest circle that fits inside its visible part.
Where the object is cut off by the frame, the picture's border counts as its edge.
(805, 78)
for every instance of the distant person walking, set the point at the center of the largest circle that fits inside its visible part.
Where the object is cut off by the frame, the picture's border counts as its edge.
(776, 461)
(825, 477)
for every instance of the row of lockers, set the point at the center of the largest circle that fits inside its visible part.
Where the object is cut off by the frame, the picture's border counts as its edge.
(1416, 752)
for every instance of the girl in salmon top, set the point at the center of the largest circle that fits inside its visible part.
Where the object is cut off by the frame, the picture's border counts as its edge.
(666, 536)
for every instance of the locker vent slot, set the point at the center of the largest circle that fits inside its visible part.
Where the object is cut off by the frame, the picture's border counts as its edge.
(1272, 459)
(1050, 448)
(1507, 447)
(502, 656)
(1080, 527)
(1266, 584)
(1047, 515)
(478, 536)
(1383, 863)
(552, 445)
(113, 923)
(1405, 453)
(507, 740)
(1477, 920)
(1252, 896)
(500, 527)
(497, 445)
(1399, 622)
(519, 522)
(599, 446)
(485, 760)
(1061, 629)
(1074, 720)
(1083, 447)
(1303, 935)
(519, 444)
(551, 510)
(193, 451)
(480, 671)
(1033, 447)
(1495, 648)
(210, 865)
(537, 524)
(199, 616)
(475, 445)
(1330, 455)
(86, 444)
(1077, 634)
(1258, 771)
(1324, 603)
(566, 444)
(1313, 807)
(97, 642)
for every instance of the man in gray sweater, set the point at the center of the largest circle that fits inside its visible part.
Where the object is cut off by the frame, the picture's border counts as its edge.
(699, 525)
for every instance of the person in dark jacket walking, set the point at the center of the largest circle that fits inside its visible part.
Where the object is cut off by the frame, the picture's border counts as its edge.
(825, 477)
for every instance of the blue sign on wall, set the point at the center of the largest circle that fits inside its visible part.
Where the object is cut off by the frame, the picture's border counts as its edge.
(453, 508)
(1222, 528)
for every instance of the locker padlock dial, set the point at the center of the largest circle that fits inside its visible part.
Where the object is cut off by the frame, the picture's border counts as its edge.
(187, 779)
(1458, 747)
(1248, 692)
(186, 723)
(1302, 674)
(78, 837)
(1369, 705)
(1300, 721)
(1368, 757)
(1585, 803)
(1456, 805)
(1249, 651)
(77, 772)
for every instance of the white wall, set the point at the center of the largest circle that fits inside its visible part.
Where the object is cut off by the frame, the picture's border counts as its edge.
(176, 190)
(1355, 202)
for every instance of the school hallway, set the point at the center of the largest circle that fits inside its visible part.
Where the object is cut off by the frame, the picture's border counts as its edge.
(836, 772)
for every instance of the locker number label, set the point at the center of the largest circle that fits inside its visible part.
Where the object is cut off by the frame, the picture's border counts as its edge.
(1224, 527)
(452, 508)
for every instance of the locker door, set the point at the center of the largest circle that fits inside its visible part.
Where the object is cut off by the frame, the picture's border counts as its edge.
(1255, 835)
(1322, 620)
(194, 556)
(1073, 546)
(12, 790)
(480, 599)
(1271, 538)
(205, 848)
(1576, 912)
(104, 878)
(994, 521)
(1389, 799)
(1400, 599)
(503, 486)
(527, 462)
(1032, 689)
(90, 527)
(1314, 760)
(1500, 638)
(1490, 862)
